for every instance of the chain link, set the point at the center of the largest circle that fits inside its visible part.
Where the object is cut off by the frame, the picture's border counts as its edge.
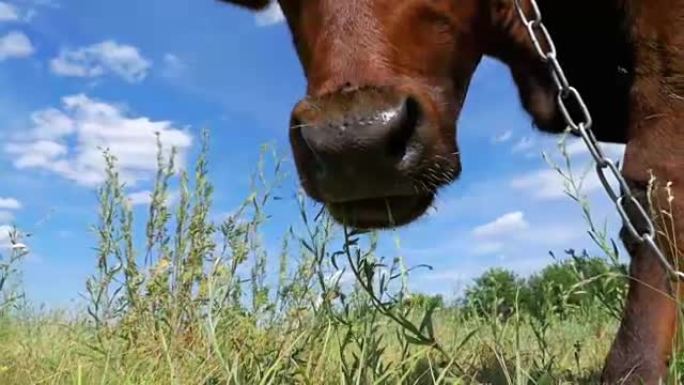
(605, 167)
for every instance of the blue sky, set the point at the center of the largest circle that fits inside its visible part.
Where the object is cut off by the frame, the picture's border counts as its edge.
(78, 75)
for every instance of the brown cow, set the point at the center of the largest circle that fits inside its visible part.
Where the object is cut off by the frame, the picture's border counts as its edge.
(375, 133)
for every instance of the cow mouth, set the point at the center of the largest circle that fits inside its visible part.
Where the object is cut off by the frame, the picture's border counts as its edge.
(380, 212)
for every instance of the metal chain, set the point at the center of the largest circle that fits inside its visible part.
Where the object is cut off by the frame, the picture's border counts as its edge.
(605, 167)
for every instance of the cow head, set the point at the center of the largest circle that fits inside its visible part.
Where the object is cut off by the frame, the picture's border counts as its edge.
(374, 138)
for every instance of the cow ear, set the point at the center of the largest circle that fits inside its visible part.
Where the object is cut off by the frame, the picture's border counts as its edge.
(251, 4)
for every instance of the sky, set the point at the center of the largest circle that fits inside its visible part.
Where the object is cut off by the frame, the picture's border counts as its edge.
(77, 76)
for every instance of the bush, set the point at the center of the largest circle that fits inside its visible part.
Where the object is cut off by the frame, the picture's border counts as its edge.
(578, 284)
(496, 293)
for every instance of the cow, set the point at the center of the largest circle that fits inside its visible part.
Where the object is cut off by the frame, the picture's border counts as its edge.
(374, 138)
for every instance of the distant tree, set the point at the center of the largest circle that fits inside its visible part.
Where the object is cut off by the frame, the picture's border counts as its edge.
(554, 289)
(603, 281)
(578, 283)
(495, 293)
(424, 301)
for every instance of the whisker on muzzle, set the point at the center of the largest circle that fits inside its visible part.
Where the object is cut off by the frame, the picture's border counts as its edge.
(390, 217)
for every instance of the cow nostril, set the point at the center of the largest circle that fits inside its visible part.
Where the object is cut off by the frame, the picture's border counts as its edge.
(409, 119)
(298, 130)
(305, 143)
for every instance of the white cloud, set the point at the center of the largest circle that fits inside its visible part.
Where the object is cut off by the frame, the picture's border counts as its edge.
(9, 204)
(35, 7)
(523, 145)
(51, 124)
(503, 137)
(6, 216)
(448, 275)
(505, 224)
(107, 57)
(612, 150)
(5, 232)
(15, 44)
(487, 248)
(140, 198)
(72, 146)
(8, 12)
(462, 276)
(39, 153)
(553, 235)
(173, 66)
(546, 184)
(271, 15)
(144, 197)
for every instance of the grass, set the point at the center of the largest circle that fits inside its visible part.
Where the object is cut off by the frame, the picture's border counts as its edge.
(51, 350)
(193, 304)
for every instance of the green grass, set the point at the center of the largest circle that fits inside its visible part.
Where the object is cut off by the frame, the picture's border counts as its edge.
(193, 304)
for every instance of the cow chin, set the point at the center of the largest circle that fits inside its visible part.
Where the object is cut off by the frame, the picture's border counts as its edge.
(381, 212)
(379, 201)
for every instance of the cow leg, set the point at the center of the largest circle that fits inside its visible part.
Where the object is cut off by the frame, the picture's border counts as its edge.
(645, 341)
(641, 351)
(655, 147)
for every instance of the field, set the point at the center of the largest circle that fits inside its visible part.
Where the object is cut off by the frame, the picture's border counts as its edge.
(193, 304)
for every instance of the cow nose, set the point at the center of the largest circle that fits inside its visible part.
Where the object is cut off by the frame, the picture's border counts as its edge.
(380, 136)
(352, 145)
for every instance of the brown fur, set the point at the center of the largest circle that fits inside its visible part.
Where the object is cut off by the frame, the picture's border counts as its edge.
(626, 57)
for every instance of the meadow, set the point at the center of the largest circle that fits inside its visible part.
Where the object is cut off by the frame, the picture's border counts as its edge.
(192, 303)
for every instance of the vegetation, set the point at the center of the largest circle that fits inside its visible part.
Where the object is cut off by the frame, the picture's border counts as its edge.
(194, 304)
